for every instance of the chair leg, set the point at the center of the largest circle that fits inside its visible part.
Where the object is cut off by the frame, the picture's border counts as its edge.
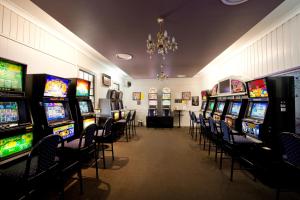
(126, 132)
(134, 127)
(209, 146)
(200, 134)
(196, 132)
(221, 158)
(216, 153)
(231, 170)
(103, 155)
(96, 162)
(112, 151)
(80, 181)
(204, 141)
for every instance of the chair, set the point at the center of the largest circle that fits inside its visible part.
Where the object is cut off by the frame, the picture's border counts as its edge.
(42, 164)
(289, 171)
(215, 136)
(132, 123)
(106, 136)
(196, 123)
(233, 145)
(191, 122)
(126, 124)
(204, 130)
(79, 151)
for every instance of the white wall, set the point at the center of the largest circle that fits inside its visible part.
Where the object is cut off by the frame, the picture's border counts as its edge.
(272, 46)
(30, 36)
(176, 85)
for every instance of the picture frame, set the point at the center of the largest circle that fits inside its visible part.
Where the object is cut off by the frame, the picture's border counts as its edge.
(136, 96)
(195, 100)
(106, 80)
(186, 95)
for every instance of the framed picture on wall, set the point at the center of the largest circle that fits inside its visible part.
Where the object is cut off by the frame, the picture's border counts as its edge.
(195, 100)
(106, 80)
(186, 95)
(136, 96)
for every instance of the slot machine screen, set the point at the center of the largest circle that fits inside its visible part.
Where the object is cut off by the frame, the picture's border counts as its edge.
(258, 110)
(221, 106)
(11, 76)
(84, 107)
(257, 88)
(88, 122)
(166, 96)
(211, 105)
(56, 87)
(82, 88)
(166, 102)
(203, 105)
(152, 96)
(224, 86)
(54, 111)
(116, 115)
(8, 112)
(235, 108)
(153, 103)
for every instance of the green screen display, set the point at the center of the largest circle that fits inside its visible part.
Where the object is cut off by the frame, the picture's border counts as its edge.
(15, 144)
(10, 76)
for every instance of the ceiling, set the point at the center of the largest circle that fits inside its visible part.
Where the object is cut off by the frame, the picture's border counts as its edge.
(203, 29)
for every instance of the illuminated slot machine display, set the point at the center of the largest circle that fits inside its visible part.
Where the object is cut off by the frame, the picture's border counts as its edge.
(152, 102)
(166, 101)
(220, 111)
(121, 106)
(81, 105)
(16, 135)
(204, 103)
(52, 114)
(270, 109)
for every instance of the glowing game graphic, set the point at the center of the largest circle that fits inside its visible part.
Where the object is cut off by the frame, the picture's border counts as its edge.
(166, 102)
(211, 105)
(237, 86)
(221, 106)
(259, 110)
(56, 87)
(88, 122)
(203, 105)
(257, 88)
(10, 76)
(8, 112)
(83, 106)
(116, 115)
(152, 96)
(82, 88)
(54, 111)
(166, 96)
(15, 144)
(235, 108)
(64, 131)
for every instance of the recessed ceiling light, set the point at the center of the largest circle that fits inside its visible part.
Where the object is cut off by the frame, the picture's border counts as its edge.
(124, 56)
(181, 75)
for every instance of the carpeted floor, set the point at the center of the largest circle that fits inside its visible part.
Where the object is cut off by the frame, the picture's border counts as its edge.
(167, 164)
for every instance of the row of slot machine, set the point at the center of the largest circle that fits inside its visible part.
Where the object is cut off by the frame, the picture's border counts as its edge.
(260, 109)
(165, 102)
(35, 105)
(112, 105)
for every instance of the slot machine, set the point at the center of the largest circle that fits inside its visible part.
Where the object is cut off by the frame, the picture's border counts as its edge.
(270, 110)
(16, 125)
(204, 103)
(152, 102)
(235, 113)
(166, 101)
(210, 108)
(220, 111)
(81, 105)
(52, 114)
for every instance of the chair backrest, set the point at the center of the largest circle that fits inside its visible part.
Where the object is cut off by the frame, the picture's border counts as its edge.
(88, 134)
(128, 117)
(212, 126)
(225, 131)
(291, 148)
(202, 121)
(133, 116)
(107, 127)
(194, 118)
(46, 152)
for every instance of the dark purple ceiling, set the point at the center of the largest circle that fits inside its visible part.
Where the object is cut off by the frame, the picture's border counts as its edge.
(203, 29)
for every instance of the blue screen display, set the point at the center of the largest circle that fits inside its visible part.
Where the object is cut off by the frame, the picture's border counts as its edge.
(258, 110)
(235, 108)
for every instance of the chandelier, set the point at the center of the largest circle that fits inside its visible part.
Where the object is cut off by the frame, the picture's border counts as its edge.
(163, 42)
(162, 76)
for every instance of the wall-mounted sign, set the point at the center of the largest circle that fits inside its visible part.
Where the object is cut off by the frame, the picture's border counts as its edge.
(186, 95)
(106, 80)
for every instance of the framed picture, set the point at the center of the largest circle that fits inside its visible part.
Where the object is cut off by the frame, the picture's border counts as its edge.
(106, 80)
(136, 96)
(186, 95)
(195, 100)
(178, 101)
